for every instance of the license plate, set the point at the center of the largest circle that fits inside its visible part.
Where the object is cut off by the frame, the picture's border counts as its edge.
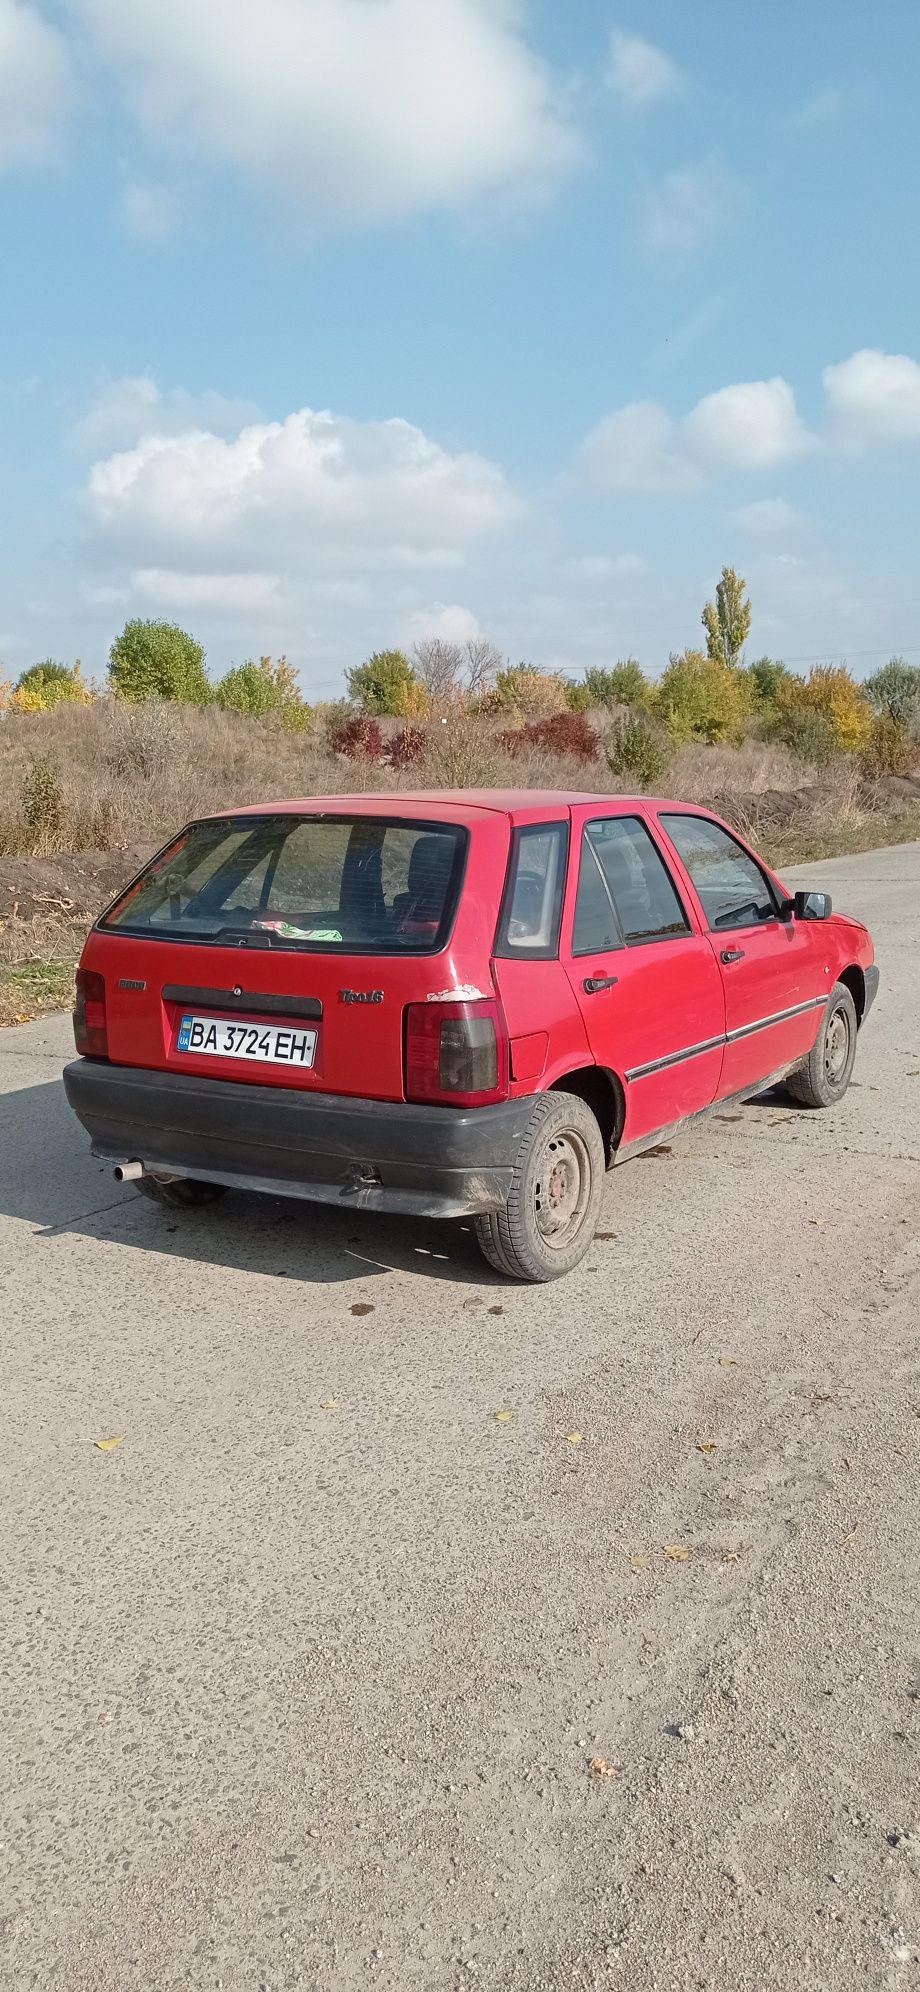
(265, 1044)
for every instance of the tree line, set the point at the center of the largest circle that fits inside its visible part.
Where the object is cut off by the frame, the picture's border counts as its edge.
(708, 694)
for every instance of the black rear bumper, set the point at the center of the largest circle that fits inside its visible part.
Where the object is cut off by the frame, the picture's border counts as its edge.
(365, 1154)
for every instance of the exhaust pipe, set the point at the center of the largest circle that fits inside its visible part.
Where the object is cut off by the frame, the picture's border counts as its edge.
(127, 1172)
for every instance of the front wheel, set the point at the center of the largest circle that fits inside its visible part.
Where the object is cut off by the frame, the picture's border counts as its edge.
(547, 1224)
(825, 1076)
(180, 1192)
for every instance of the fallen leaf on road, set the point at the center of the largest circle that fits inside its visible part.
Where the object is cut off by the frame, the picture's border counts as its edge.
(331, 1404)
(503, 1417)
(603, 1768)
(816, 1221)
(728, 1362)
(677, 1551)
(707, 1446)
(108, 1445)
(496, 1310)
(574, 1438)
(639, 1562)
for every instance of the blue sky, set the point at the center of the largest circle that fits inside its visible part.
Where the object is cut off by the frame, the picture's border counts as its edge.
(330, 324)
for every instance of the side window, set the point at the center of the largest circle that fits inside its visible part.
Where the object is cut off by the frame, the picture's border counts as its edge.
(532, 907)
(732, 889)
(622, 870)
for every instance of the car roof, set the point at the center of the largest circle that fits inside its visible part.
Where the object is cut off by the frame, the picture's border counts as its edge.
(518, 804)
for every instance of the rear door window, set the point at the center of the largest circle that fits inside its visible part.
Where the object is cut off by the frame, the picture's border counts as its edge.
(625, 892)
(359, 885)
(731, 888)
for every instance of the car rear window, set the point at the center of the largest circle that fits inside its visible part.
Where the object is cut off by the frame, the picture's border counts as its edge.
(349, 884)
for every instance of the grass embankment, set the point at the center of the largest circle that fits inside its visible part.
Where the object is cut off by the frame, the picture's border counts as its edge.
(114, 781)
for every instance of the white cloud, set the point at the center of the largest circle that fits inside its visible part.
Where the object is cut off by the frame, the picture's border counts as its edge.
(749, 426)
(349, 111)
(766, 516)
(146, 212)
(102, 595)
(448, 620)
(126, 410)
(690, 209)
(234, 594)
(637, 449)
(605, 567)
(308, 495)
(36, 85)
(823, 107)
(875, 396)
(640, 73)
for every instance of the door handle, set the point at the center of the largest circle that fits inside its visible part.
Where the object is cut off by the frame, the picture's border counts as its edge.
(731, 954)
(594, 983)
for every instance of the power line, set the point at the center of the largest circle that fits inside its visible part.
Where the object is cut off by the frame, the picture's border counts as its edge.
(842, 656)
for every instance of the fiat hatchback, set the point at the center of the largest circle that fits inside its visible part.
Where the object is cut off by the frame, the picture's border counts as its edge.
(451, 1005)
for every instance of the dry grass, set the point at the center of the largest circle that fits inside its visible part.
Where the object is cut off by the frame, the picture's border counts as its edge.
(111, 776)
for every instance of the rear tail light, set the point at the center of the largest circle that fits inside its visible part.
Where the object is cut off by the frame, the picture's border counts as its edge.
(456, 1054)
(89, 1025)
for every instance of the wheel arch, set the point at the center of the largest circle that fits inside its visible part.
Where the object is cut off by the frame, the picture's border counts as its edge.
(602, 1090)
(853, 979)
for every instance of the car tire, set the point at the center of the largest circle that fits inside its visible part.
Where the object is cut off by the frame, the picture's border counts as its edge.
(181, 1192)
(826, 1073)
(547, 1223)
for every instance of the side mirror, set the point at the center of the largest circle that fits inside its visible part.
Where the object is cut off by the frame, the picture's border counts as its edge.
(812, 906)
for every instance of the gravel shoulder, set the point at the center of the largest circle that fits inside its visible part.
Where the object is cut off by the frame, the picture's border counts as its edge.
(303, 1681)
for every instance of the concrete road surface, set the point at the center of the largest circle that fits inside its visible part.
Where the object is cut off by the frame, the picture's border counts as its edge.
(302, 1682)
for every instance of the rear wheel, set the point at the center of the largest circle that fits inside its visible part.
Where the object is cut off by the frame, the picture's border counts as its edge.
(825, 1076)
(180, 1192)
(548, 1222)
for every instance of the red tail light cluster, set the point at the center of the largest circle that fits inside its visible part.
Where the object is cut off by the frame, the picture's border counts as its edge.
(89, 1025)
(456, 1054)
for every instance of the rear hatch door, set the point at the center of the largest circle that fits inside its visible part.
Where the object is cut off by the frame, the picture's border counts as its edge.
(282, 949)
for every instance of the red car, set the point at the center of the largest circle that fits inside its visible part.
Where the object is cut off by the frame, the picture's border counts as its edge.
(451, 1005)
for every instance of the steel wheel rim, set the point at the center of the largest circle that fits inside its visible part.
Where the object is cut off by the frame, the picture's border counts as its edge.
(562, 1188)
(836, 1047)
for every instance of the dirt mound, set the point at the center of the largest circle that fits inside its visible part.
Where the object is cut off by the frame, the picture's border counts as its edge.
(68, 889)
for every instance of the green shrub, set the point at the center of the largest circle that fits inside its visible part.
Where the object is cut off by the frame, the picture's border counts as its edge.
(765, 679)
(635, 748)
(158, 660)
(577, 695)
(624, 684)
(46, 685)
(807, 731)
(833, 695)
(895, 691)
(700, 699)
(386, 684)
(41, 799)
(260, 689)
